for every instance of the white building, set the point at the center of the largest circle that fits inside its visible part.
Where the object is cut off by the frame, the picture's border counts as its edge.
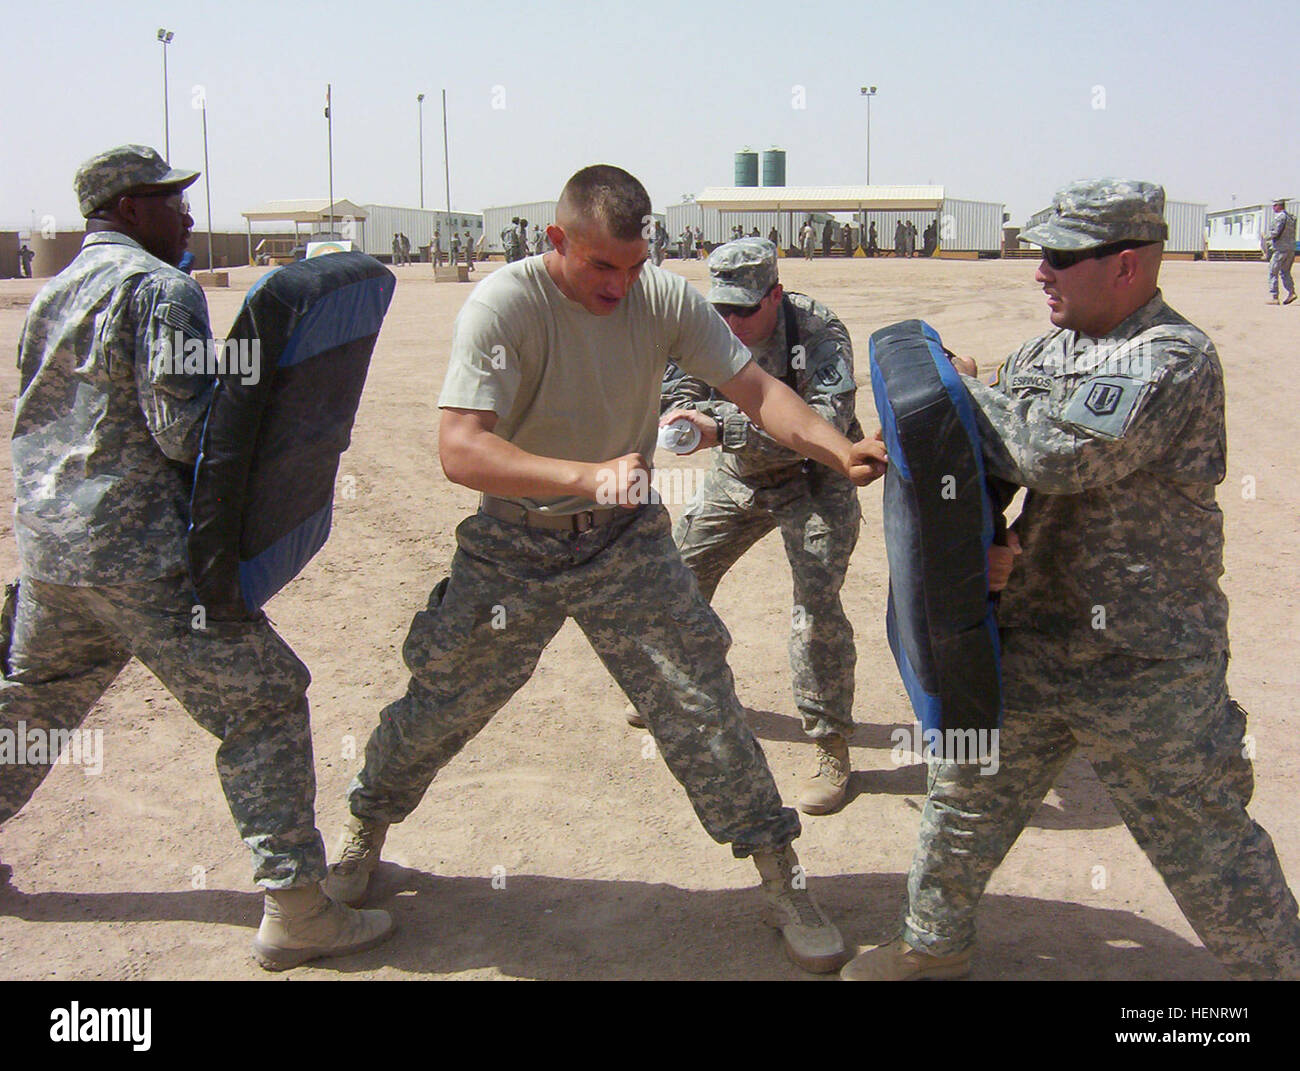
(1239, 231)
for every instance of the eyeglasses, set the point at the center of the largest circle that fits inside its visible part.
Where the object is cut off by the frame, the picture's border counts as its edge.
(1060, 259)
(176, 199)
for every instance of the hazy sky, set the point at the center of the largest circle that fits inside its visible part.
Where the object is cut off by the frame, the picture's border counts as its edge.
(995, 101)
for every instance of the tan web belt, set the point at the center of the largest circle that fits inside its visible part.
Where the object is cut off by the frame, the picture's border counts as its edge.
(557, 522)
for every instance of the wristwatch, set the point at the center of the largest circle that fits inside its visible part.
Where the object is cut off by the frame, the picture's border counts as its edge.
(733, 432)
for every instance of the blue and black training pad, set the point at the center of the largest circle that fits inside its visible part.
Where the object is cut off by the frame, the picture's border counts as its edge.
(939, 521)
(263, 491)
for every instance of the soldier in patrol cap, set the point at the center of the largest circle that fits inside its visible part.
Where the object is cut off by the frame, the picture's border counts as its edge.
(104, 443)
(1281, 252)
(756, 485)
(1113, 626)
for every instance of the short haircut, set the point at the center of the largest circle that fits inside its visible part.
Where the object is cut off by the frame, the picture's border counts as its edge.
(608, 196)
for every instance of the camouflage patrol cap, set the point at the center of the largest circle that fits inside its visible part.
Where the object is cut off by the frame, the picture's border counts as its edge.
(111, 173)
(1100, 211)
(742, 271)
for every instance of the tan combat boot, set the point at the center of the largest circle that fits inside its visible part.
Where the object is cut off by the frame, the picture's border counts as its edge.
(304, 924)
(811, 939)
(827, 789)
(900, 962)
(359, 847)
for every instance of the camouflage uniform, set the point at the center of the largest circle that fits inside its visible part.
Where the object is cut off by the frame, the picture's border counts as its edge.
(756, 485)
(1114, 629)
(1281, 241)
(102, 447)
(510, 590)
(512, 587)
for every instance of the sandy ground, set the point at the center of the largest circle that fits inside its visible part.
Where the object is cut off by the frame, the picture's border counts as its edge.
(601, 869)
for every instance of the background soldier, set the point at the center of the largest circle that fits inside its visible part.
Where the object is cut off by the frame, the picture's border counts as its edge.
(1281, 252)
(828, 236)
(435, 253)
(756, 485)
(1114, 629)
(105, 437)
(469, 251)
(560, 534)
(873, 240)
(25, 257)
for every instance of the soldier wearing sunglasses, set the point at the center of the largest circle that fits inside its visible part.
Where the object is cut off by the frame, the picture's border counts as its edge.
(1113, 626)
(756, 485)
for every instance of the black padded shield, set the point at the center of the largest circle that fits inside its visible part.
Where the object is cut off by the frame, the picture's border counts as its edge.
(264, 483)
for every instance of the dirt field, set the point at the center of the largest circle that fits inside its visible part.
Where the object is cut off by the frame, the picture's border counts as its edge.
(602, 870)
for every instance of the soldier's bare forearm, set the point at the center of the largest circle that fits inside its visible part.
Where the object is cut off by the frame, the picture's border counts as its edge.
(786, 417)
(474, 457)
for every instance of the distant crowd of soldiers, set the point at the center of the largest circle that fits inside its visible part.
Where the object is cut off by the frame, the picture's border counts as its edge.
(517, 243)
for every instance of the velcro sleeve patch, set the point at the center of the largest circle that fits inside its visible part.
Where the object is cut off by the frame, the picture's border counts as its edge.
(1106, 405)
(178, 316)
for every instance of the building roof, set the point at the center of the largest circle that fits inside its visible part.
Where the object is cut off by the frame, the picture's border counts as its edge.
(820, 198)
(304, 210)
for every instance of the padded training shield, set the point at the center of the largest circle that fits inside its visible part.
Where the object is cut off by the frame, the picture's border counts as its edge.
(939, 524)
(264, 484)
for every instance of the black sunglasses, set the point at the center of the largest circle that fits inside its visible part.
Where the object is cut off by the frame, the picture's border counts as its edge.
(1060, 259)
(742, 311)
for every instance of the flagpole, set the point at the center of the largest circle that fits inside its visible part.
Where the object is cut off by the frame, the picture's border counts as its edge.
(329, 122)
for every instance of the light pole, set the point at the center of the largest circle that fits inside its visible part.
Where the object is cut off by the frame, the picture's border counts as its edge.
(446, 162)
(165, 37)
(207, 180)
(419, 99)
(868, 92)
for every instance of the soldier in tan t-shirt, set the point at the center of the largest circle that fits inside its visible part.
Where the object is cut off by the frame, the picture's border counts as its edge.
(550, 409)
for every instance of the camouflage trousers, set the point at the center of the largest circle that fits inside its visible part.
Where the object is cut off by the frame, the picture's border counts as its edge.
(1166, 741)
(63, 646)
(1279, 267)
(819, 518)
(510, 590)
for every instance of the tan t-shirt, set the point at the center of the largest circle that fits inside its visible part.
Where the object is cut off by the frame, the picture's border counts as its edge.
(570, 384)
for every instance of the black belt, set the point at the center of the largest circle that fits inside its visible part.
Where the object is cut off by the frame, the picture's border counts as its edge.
(512, 513)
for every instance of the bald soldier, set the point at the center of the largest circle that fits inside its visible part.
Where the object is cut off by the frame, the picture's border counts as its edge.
(549, 409)
(104, 443)
(1113, 627)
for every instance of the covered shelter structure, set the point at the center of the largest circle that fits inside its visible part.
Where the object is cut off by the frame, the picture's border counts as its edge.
(318, 213)
(965, 226)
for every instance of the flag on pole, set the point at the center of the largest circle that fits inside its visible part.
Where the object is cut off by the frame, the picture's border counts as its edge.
(327, 102)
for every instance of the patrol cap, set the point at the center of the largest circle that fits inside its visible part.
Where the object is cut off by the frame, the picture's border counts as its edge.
(111, 173)
(742, 271)
(1100, 211)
